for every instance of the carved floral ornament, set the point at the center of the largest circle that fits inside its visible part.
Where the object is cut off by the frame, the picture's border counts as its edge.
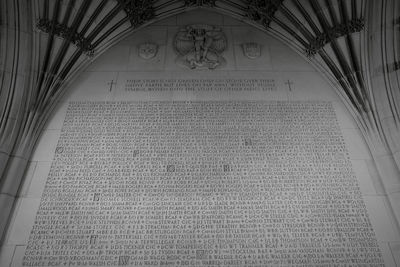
(263, 11)
(352, 26)
(138, 11)
(63, 31)
(210, 3)
(200, 46)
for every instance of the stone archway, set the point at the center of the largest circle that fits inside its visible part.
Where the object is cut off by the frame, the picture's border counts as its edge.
(225, 168)
(32, 120)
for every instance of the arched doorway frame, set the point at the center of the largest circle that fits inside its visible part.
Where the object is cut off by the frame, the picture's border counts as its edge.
(48, 111)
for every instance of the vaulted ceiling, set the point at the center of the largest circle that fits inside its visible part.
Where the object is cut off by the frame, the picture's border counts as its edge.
(44, 44)
(330, 32)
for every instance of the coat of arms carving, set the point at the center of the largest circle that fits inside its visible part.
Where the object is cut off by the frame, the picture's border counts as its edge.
(147, 50)
(252, 50)
(200, 47)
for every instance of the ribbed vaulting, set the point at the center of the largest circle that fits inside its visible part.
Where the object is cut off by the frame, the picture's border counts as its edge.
(45, 43)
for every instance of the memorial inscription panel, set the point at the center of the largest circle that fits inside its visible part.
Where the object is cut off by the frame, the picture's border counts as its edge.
(200, 85)
(201, 184)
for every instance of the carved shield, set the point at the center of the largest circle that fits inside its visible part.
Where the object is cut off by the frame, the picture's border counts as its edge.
(147, 50)
(252, 50)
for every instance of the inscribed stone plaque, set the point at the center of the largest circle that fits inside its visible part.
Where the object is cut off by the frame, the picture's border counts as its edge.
(201, 184)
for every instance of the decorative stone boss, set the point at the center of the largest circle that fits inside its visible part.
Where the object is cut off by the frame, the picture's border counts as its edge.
(200, 47)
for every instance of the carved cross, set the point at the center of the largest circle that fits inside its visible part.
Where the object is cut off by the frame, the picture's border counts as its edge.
(289, 83)
(111, 84)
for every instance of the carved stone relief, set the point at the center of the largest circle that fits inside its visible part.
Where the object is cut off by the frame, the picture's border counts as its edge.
(200, 47)
(147, 50)
(209, 3)
(251, 50)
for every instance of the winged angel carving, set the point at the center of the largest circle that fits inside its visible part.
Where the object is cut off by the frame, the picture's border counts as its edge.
(200, 46)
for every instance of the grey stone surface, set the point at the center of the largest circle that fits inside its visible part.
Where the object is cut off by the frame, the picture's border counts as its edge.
(6, 204)
(241, 183)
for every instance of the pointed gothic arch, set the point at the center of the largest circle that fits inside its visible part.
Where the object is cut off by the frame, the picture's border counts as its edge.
(67, 36)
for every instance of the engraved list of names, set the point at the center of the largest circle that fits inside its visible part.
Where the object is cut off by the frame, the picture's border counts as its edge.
(201, 184)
